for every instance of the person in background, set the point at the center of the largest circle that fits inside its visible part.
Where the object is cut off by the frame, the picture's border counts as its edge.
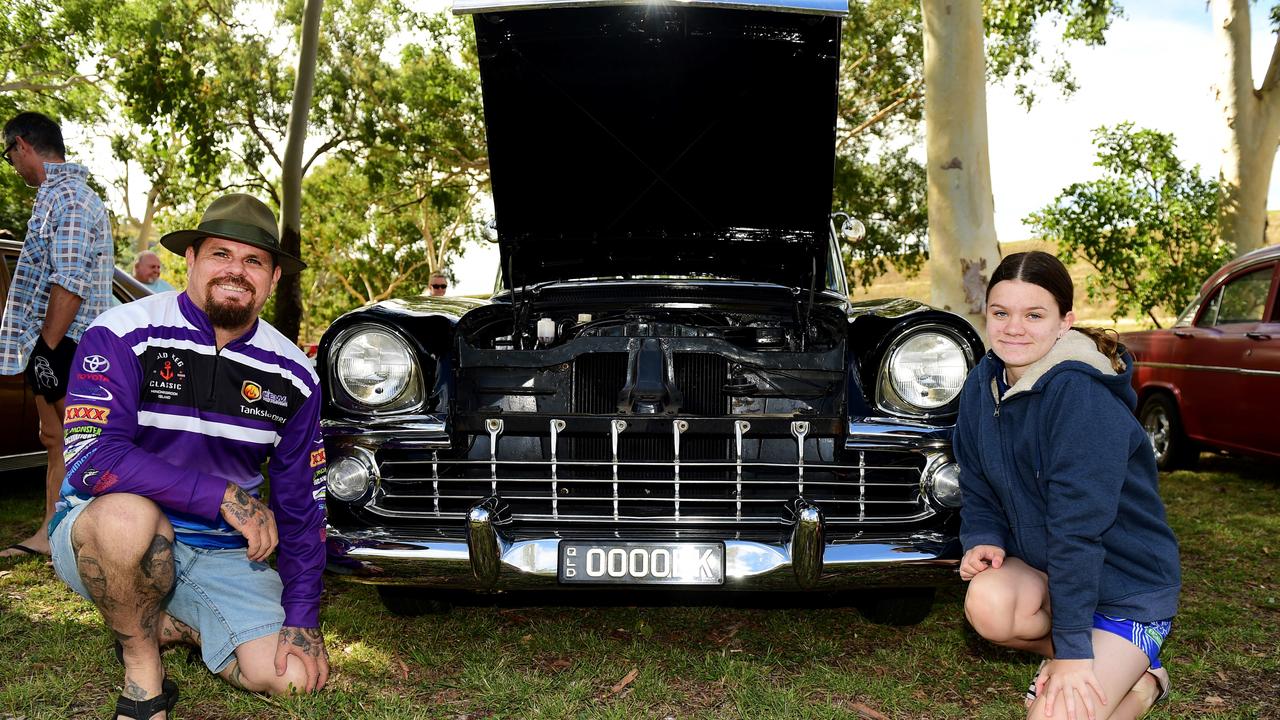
(161, 524)
(146, 270)
(1067, 551)
(61, 283)
(439, 284)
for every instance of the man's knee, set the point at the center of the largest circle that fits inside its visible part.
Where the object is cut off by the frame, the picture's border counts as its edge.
(121, 520)
(255, 669)
(989, 605)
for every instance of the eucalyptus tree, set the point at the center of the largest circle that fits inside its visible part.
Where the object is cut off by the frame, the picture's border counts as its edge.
(1252, 117)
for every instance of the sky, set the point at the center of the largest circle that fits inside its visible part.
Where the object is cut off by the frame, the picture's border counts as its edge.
(1158, 70)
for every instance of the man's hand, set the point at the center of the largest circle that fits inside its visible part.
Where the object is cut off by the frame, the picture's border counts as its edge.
(308, 645)
(979, 558)
(1071, 678)
(248, 515)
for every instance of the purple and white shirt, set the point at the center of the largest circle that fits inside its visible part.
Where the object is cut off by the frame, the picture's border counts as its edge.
(155, 409)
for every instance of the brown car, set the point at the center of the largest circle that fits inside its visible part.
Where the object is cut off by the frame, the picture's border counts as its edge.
(20, 446)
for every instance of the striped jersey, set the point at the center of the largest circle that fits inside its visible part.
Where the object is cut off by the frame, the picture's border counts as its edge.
(154, 408)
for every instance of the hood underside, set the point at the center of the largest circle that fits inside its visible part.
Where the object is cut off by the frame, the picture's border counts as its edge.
(649, 140)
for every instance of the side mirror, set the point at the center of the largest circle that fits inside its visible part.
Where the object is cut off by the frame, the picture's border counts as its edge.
(851, 228)
(491, 230)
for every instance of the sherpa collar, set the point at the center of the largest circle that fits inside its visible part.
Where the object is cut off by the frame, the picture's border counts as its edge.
(1074, 345)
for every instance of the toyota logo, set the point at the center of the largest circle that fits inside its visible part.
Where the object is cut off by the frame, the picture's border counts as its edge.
(95, 364)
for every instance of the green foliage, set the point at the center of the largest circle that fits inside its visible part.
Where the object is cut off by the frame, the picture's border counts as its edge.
(1149, 225)
(1013, 50)
(882, 103)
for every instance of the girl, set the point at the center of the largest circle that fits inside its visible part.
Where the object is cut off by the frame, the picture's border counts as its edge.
(1067, 552)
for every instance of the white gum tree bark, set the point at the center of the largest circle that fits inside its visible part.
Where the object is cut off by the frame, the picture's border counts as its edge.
(1253, 123)
(962, 237)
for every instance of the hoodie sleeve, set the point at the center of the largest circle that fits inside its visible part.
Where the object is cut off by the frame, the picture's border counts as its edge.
(297, 495)
(1085, 461)
(100, 423)
(982, 519)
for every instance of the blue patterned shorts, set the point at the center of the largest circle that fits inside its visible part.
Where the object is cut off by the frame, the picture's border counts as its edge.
(1147, 637)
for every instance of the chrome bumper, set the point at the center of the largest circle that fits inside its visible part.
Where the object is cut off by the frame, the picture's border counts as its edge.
(487, 560)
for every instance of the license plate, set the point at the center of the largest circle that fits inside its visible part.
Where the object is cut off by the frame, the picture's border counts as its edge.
(640, 563)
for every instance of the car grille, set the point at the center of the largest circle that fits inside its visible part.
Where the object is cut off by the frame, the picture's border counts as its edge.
(700, 377)
(707, 487)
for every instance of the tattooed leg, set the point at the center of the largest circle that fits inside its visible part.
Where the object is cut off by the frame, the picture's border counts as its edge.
(175, 632)
(124, 554)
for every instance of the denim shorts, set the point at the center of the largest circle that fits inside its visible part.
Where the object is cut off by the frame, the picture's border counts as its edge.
(219, 592)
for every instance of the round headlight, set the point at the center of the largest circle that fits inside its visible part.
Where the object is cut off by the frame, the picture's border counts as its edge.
(375, 367)
(348, 479)
(923, 371)
(946, 485)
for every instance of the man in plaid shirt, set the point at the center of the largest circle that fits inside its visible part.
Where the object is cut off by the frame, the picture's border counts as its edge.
(62, 282)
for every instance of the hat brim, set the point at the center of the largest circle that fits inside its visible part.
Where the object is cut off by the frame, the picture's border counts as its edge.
(179, 240)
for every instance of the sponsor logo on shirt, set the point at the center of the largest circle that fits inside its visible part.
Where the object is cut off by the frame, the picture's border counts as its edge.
(263, 413)
(250, 391)
(168, 375)
(96, 377)
(95, 364)
(105, 395)
(92, 413)
(317, 457)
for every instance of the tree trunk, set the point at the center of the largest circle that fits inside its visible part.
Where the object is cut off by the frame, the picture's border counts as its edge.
(962, 237)
(148, 220)
(288, 316)
(1253, 122)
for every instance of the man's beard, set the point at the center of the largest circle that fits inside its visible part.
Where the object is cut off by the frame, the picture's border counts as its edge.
(228, 315)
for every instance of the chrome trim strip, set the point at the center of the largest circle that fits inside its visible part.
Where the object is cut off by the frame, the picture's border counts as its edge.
(838, 8)
(807, 543)
(1210, 368)
(749, 565)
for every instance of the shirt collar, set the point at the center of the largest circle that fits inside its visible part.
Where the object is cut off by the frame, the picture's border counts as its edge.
(55, 172)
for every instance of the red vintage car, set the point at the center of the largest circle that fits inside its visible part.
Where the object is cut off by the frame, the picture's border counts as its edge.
(1212, 381)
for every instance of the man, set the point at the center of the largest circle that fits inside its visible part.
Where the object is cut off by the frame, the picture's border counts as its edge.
(146, 270)
(439, 284)
(179, 399)
(61, 283)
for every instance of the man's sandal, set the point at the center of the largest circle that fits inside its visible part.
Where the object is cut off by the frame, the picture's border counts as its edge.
(144, 709)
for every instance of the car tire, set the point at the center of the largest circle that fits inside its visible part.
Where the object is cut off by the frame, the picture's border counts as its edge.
(908, 606)
(1163, 424)
(411, 601)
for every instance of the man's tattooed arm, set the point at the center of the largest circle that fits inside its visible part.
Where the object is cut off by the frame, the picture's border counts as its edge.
(248, 515)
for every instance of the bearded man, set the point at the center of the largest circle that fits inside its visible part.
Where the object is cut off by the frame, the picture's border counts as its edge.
(176, 402)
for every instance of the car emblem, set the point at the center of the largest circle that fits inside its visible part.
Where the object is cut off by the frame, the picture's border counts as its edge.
(95, 364)
(250, 391)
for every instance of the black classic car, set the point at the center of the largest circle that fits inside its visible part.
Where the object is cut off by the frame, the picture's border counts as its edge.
(671, 389)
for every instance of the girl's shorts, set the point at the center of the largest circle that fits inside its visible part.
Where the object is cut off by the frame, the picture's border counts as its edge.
(1147, 637)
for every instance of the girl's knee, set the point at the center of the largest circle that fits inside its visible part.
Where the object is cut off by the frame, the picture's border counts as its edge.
(989, 606)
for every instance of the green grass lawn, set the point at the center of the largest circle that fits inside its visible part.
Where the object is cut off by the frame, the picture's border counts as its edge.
(820, 661)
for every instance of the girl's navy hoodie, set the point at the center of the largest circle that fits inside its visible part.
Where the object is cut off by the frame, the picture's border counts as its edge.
(1059, 473)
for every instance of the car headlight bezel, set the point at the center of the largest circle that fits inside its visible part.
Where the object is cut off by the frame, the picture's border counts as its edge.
(404, 393)
(891, 400)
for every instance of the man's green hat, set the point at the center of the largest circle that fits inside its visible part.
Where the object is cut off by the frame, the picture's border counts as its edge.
(242, 218)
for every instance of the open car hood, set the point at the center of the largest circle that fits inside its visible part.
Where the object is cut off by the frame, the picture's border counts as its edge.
(660, 140)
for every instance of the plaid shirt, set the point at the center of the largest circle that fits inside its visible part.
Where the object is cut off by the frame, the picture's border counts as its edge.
(69, 244)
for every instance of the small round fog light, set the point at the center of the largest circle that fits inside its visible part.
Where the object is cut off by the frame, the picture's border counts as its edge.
(348, 479)
(945, 485)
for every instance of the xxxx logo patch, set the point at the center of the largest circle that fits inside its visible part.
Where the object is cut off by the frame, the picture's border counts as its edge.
(317, 457)
(92, 413)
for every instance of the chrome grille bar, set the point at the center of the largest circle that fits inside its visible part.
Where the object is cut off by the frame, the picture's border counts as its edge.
(556, 427)
(739, 428)
(494, 427)
(800, 429)
(616, 427)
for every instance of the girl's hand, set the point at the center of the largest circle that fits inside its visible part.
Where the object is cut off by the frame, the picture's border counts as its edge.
(1071, 678)
(979, 558)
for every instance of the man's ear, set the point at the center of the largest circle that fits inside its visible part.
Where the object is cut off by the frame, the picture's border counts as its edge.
(190, 256)
(275, 277)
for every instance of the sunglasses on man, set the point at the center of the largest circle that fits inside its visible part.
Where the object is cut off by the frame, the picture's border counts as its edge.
(8, 149)
(439, 286)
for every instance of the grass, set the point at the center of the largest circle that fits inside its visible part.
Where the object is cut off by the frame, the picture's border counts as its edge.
(819, 660)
